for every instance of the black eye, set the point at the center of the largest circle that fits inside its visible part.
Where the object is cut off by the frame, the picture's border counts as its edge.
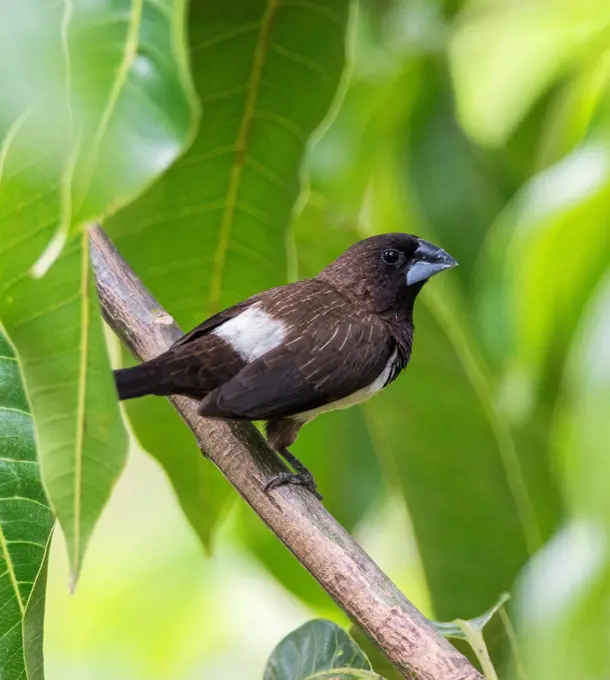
(390, 256)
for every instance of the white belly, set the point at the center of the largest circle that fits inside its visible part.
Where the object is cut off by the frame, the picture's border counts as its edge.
(355, 398)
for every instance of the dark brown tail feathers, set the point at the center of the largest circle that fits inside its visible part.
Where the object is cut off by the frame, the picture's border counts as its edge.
(137, 381)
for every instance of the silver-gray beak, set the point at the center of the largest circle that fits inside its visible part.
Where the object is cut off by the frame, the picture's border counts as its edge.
(428, 260)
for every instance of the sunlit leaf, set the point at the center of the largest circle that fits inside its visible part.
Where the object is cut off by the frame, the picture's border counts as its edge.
(26, 522)
(99, 106)
(102, 89)
(213, 230)
(321, 650)
(504, 55)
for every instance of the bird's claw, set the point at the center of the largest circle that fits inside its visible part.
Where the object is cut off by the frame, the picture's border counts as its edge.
(301, 479)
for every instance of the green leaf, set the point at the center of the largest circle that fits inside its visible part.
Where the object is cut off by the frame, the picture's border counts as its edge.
(56, 326)
(503, 56)
(100, 107)
(213, 230)
(26, 522)
(319, 649)
(105, 137)
(433, 428)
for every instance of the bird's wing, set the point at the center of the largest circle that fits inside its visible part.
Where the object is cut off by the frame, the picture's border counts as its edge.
(213, 322)
(313, 367)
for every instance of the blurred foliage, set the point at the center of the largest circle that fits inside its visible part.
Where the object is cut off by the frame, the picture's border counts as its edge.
(481, 125)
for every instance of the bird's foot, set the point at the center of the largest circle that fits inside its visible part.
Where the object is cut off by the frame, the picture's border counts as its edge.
(301, 478)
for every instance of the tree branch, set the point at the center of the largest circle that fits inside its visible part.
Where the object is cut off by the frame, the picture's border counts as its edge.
(298, 519)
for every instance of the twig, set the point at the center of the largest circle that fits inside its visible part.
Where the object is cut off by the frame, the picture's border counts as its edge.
(300, 521)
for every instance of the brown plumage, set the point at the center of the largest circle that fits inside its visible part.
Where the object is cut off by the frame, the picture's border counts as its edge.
(289, 353)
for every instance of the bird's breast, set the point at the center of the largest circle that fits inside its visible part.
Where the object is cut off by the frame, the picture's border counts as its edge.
(388, 374)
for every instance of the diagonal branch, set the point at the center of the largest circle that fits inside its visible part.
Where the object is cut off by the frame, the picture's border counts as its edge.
(300, 521)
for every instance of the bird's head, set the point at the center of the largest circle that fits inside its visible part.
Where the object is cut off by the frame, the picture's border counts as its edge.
(387, 271)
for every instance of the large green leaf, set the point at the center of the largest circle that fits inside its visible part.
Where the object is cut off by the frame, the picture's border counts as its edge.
(25, 527)
(99, 106)
(433, 426)
(438, 433)
(319, 649)
(504, 55)
(213, 230)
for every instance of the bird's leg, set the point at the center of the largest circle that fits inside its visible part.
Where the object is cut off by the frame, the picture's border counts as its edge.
(305, 476)
(301, 475)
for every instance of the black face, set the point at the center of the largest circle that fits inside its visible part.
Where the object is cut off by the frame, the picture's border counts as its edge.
(387, 271)
(395, 252)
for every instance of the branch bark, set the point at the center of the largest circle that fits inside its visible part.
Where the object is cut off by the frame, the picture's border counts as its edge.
(298, 519)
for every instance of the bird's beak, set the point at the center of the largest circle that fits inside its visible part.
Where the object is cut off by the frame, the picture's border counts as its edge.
(428, 260)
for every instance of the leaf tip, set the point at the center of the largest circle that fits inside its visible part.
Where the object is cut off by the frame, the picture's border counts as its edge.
(73, 581)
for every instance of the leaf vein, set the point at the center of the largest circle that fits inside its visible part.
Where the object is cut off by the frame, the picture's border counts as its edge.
(226, 36)
(243, 134)
(302, 60)
(82, 393)
(11, 572)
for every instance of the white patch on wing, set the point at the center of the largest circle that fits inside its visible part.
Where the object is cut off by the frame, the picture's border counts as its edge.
(355, 398)
(252, 333)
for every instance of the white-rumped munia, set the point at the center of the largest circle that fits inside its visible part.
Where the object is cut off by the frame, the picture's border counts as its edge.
(290, 353)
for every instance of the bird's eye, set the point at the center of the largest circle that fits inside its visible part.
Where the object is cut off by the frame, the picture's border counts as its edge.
(390, 256)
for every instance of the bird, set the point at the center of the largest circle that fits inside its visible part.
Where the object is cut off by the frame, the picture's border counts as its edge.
(291, 353)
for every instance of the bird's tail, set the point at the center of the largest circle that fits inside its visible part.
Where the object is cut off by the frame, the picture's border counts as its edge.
(137, 381)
